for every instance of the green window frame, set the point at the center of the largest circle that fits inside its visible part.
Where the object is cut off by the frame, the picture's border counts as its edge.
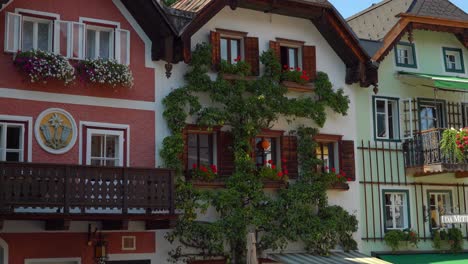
(391, 118)
(451, 51)
(407, 219)
(408, 47)
(429, 211)
(439, 106)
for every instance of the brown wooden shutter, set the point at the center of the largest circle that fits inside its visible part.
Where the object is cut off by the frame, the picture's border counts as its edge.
(215, 41)
(347, 159)
(225, 154)
(309, 61)
(275, 46)
(289, 153)
(252, 54)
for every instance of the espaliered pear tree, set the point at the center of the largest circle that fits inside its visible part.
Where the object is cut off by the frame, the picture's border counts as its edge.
(299, 213)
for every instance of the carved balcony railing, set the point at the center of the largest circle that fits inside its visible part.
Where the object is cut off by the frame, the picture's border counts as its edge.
(424, 151)
(76, 189)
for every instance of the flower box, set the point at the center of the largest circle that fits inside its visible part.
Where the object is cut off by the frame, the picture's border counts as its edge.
(339, 186)
(230, 77)
(208, 261)
(221, 183)
(103, 72)
(297, 87)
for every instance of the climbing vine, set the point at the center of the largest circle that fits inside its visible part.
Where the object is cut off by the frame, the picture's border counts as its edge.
(245, 107)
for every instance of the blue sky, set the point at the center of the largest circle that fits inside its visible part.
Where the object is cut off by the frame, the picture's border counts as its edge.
(348, 8)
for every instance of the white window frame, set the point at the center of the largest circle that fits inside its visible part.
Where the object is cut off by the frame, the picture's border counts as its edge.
(438, 192)
(97, 43)
(35, 22)
(241, 46)
(52, 260)
(28, 136)
(409, 101)
(395, 115)
(129, 248)
(406, 210)
(85, 126)
(3, 141)
(106, 132)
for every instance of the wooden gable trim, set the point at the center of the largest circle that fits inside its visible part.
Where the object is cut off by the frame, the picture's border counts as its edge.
(417, 22)
(290, 42)
(234, 33)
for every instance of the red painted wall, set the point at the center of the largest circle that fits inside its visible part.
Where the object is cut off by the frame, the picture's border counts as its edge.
(70, 245)
(142, 129)
(70, 10)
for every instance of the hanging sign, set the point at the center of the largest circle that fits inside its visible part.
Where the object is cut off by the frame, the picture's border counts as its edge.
(454, 219)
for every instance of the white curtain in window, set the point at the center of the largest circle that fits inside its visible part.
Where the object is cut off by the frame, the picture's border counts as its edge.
(12, 32)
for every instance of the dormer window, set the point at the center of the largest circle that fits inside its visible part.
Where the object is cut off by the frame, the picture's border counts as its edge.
(453, 59)
(405, 55)
(230, 49)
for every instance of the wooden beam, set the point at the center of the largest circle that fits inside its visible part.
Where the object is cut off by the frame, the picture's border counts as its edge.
(115, 224)
(392, 36)
(160, 224)
(436, 21)
(57, 224)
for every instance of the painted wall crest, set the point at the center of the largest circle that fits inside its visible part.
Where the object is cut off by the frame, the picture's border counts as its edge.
(56, 131)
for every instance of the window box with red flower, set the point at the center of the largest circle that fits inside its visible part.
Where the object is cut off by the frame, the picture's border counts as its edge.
(296, 79)
(204, 173)
(238, 70)
(338, 181)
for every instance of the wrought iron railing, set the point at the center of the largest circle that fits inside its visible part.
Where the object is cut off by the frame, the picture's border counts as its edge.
(81, 189)
(424, 149)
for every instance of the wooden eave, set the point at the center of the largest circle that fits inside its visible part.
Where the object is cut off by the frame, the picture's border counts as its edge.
(409, 22)
(323, 16)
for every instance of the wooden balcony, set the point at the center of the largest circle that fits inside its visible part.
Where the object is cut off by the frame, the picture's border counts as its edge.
(58, 194)
(423, 155)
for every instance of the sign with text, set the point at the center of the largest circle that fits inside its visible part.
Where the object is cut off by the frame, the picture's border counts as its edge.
(454, 219)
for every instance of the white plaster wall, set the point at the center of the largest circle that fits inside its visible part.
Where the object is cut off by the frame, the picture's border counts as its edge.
(268, 27)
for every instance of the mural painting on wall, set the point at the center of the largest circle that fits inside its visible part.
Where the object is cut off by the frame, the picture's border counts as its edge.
(55, 131)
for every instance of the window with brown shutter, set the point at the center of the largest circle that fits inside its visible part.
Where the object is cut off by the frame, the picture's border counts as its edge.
(347, 157)
(276, 47)
(289, 155)
(199, 145)
(252, 54)
(226, 164)
(215, 41)
(309, 61)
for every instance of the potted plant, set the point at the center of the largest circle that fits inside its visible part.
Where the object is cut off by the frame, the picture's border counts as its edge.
(336, 180)
(105, 72)
(204, 173)
(235, 71)
(295, 79)
(270, 172)
(395, 238)
(42, 66)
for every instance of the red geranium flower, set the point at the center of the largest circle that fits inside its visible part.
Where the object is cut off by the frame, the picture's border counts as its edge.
(203, 169)
(286, 172)
(273, 166)
(349, 179)
(284, 160)
(194, 166)
(280, 174)
(270, 162)
(285, 67)
(333, 170)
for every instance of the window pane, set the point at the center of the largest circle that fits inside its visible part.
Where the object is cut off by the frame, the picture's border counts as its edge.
(124, 37)
(112, 163)
(284, 56)
(77, 39)
(205, 156)
(234, 50)
(204, 140)
(28, 33)
(97, 142)
(90, 44)
(44, 36)
(224, 49)
(112, 146)
(390, 121)
(104, 44)
(292, 58)
(13, 156)
(13, 137)
(96, 162)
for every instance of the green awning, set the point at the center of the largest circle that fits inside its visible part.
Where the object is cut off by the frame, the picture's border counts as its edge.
(335, 257)
(426, 258)
(439, 81)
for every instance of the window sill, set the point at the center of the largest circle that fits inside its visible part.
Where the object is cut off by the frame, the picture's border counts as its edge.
(229, 77)
(296, 87)
(339, 187)
(413, 66)
(221, 184)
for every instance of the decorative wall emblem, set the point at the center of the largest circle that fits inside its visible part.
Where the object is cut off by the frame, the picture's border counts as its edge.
(55, 131)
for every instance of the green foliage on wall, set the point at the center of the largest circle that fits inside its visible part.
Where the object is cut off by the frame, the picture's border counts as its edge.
(297, 213)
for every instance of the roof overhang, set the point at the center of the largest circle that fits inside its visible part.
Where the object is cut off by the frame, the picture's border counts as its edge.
(442, 82)
(409, 22)
(323, 15)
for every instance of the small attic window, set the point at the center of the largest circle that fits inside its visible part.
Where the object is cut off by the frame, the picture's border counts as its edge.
(453, 60)
(405, 55)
